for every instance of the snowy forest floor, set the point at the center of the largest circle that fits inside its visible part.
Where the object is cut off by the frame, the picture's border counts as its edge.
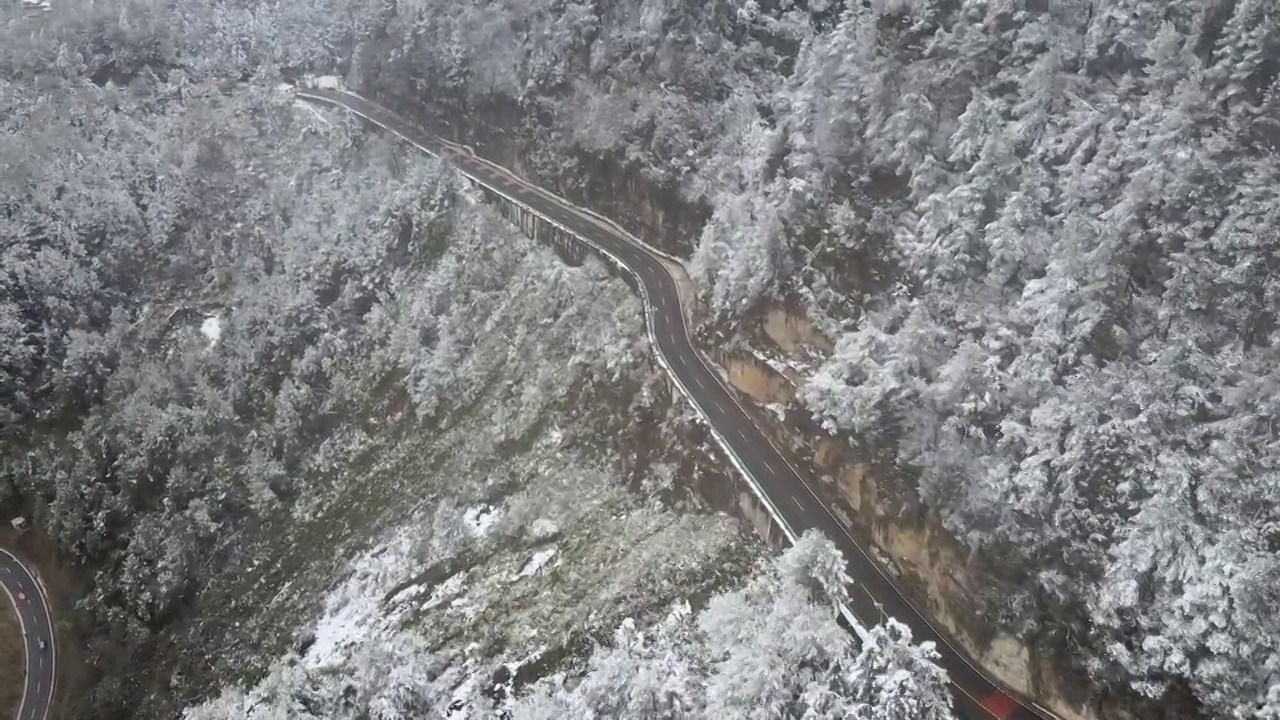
(531, 554)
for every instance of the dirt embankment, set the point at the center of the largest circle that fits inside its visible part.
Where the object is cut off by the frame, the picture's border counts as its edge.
(938, 571)
(763, 362)
(11, 659)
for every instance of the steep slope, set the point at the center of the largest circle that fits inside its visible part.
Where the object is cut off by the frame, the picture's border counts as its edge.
(376, 348)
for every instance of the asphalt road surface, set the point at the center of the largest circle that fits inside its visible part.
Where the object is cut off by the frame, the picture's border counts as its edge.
(37, 629)
(787, 491)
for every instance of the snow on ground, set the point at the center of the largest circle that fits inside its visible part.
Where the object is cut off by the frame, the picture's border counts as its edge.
(408, 594)
(362, 606)
(778, 366)
(543, 528)
(315, 111)
(466, 607)
(212, 328)
(464, 692)
(508, 688)
(538, 561)
(354, 610)
(325, 82)
(479, 519)
(449, 588)
(404, 641)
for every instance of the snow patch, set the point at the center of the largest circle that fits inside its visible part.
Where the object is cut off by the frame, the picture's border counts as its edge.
(408, 594)
(211, 328)
(463, 694)
(465, 606)
(679, 609)
(323, 82)
(774, 364)
(452, 586)
(354, 611)
(555, 437)
(508, 688)
(313, 110)
(479, 519)
(543, 528)
(537, 562)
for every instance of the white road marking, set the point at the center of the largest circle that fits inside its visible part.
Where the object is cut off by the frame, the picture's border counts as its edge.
(768, 466)
(722, 410)
(799, 504)
(876, 602)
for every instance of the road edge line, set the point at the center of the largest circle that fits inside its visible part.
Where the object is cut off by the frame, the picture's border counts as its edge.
(22, 702)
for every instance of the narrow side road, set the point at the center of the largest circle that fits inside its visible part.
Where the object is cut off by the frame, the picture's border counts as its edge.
(787, 492)
(28, 598)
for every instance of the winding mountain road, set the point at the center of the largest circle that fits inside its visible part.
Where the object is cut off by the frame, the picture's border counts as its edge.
(28, 598)
(785, 490)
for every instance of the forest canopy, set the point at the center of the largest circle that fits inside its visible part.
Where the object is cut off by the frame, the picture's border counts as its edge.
(1040, 234)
